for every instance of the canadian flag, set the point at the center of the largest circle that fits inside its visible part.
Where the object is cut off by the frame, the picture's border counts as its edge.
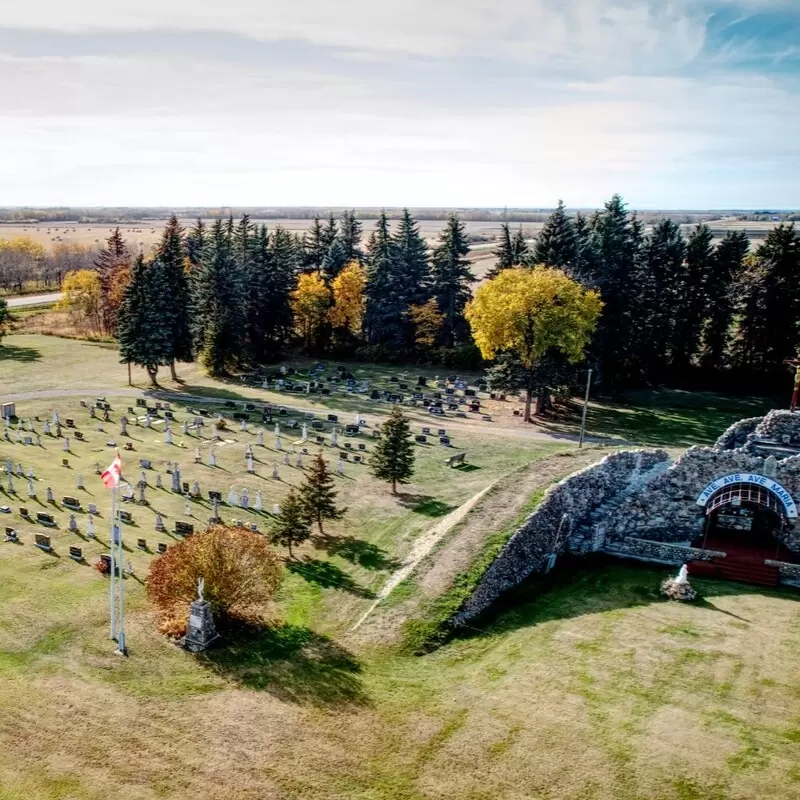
(112, 475)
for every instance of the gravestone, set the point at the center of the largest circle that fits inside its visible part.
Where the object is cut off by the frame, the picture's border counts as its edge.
(200, 629)
(159, 482)
(276, 509)
(183, 528)
(162, 548)
(244, 502)
(79, 481)
(123, 426)
(141, 544)
(42, 541)
(160, 523)
(167, 436)
(92, 509)
(73, 524)
(176, 480)
(196, 489)
(90, 532)
(233, 497)
(145, 463)
(71, 502)
(251, 467)
(75, 553)
(66, 444)
(275, 471)
(213, 495)
(126, 517)
(49, 495)
(258, 505)
(286, 459)
(212, 458)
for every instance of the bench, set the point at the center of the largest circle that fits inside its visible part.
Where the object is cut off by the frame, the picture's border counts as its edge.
(456, 459)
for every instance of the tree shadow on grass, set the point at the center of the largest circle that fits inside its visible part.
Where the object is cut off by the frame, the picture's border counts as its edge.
(12, 352)
(327, 575)
(357, 551)
(292, 663)
(425, 504)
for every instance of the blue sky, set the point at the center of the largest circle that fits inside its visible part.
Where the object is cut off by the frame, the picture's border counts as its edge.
(673, 103)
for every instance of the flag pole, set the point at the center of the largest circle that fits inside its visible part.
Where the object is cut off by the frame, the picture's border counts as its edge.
(112, 599)
(121, 593)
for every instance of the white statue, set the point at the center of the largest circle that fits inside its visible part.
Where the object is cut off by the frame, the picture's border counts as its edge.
(201, 585)
(683, 575)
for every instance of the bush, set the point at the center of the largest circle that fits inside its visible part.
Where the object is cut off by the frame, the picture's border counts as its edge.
(465, 356)
(241, 573)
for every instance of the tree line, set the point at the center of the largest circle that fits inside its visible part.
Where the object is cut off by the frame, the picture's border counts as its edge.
(677, 310)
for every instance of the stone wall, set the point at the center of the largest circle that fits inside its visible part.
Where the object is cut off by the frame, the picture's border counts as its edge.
(778, 424)
(790, 573)
(550, 528)
(662, 552)
(736, 435)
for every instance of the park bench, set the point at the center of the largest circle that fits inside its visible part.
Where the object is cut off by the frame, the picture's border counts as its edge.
(455, 460)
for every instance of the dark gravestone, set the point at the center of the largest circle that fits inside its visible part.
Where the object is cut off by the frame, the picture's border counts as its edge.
(141, 544)
(452, 407)
(169, 415)
(162, 547)
(343, 456)
(469, 392)
(351, 430)
(426, 431)
(445, 440)
(362, 447)
(45, 519)
(141, 402)
(43, 542)
(374, 395)
(212, 496)
(144, 463)
(185, 487)
(183, 528)
(75, 553)
(421, 439)
(23, 512)
(317, 425)
(441, 432)
(71, 502)
(125, 516)
(70, 423)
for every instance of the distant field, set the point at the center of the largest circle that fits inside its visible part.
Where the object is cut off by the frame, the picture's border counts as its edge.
(144, 236)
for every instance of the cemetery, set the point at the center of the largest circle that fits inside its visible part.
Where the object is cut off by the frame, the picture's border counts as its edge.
(555, 661)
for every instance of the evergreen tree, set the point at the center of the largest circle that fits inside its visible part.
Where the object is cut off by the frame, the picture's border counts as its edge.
(335, 259)
(727, 267)
(329, 232)
(769, 328)
(171, 254)
(291, 528)
(411, 253)
(317, 495)
(315, 246)
(585, 257)
(144, 329)
(614, 242)
(350, 234)
(690, 299)
(519, 247)
(557, 243)
(386, 291)
(110, 261)
(450, 279)
(195, 243)
(5, 317)
(218, 300)
(656, 281)
(393, 456)
(504, 252)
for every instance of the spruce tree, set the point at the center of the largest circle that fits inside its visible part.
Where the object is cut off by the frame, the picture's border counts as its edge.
(727, 266)
(451, 277)
(144, 327)
(334, 260)
(317, 494)
(557, 243)
(393, 456)
(585, 258)
(690, 298)
(504, 253)
(195, 243)
(413, 266)
(350, 234)
(171, 255)
(291, 528)
(521, 251)
(113, 258)
(386, 292)
(315, 246)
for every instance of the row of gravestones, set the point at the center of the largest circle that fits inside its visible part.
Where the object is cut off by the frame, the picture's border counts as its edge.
(44, 542)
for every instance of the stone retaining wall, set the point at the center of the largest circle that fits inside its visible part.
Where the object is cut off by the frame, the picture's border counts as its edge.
(570, 500)
(736, 435)
(790, 573)
(663, 552)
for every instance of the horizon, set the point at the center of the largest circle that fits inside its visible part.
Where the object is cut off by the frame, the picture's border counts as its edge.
(673, 104)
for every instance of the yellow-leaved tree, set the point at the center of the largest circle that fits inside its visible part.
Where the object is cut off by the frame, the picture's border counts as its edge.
(348, 298)
(530, 312)
(311, 301)
(427, 321)
(81, 297)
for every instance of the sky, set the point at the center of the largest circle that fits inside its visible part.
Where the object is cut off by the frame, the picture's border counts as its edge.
(687, 104)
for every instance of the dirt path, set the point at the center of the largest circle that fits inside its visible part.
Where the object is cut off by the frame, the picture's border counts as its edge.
(422, 546)
(33, 299)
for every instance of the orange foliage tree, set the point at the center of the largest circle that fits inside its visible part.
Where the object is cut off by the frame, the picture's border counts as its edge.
(240, 569)
(348, 298)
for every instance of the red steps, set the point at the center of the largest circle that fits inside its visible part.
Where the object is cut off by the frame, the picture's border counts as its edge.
(741, 572)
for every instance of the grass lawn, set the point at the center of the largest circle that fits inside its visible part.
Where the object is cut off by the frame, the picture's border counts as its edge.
(595, 688)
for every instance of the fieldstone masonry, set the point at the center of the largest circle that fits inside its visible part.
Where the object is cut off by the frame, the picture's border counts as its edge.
(637, 504)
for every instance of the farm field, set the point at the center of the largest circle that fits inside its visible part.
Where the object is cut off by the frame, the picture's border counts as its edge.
(588, 686)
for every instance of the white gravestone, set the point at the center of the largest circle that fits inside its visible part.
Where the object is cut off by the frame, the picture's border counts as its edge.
(258, 505)
(251, 467)
(286, 459)
(167, 436)
(245, 500)
(260, 439)
(212, 459)
(278, 445)
(233, 498)
(79, 481)
(66, 444)
(73, 524)
(31, 490)
(90, 532)
(197, 456)
(159, 482)
(275, 471)
(304, 433)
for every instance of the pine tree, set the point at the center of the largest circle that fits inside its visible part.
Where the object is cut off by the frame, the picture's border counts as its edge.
(504, 253)
(195, 243)
(218, 300)
(317, 494)
(144, 328)
(690, 298)
(113, 259)
(413, 266)
(659, 271)
(451, 277)
(5, 317)
(315, 246)
(614, 242)
(350, 234)
(386, 291)
(769, 328)
(171, 254)
(585, 257)
(291, 528)
(393, 456)
(334, 260)
(727, 266)
(557, 243)
(519, 247)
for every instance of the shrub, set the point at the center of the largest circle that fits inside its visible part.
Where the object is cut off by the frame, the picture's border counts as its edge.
(240, 569)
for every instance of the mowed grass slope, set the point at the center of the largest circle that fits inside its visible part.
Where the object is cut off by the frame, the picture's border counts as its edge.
(596, 689)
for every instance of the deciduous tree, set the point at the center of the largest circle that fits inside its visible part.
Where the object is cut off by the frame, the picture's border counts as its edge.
(532, 313)
(426, 321)
(348, 298)
(310, 303)
(81, 298)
